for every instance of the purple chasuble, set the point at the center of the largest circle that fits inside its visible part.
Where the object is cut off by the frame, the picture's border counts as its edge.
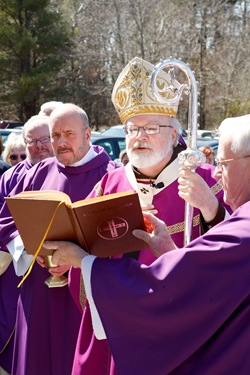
(11, 177)
(188, 312)
(47, 318)
(8, 281)
(171, 210)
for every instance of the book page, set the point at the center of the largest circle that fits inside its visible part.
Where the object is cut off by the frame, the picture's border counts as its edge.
(52, 195)
(90, 201)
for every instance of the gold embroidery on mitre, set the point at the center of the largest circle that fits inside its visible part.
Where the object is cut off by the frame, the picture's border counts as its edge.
(179, 227)
(132, 94)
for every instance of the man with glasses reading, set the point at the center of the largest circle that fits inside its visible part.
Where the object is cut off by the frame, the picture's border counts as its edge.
(153, 142)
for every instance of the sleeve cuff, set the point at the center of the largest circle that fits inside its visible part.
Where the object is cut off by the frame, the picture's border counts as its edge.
(86, 267)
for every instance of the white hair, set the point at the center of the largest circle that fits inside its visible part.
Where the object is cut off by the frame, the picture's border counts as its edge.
(237, 129)
(177, 125)
(35, 121)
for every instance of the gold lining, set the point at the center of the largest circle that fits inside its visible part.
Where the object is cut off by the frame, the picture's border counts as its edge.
(82, 296)
(179, 227)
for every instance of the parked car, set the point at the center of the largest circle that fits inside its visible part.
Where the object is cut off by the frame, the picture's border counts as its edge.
(7, 124)
(116, 130)
(113, 145)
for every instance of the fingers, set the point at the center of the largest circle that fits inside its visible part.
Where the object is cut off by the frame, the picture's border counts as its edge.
(142, 235)
(52, 245)
(149, 208)
(40, 261)
(59, 270)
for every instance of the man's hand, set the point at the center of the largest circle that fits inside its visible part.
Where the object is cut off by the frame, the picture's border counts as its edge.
(55, 270)
(65, 253)
(195, 191)
(149, 208)
(158, 237)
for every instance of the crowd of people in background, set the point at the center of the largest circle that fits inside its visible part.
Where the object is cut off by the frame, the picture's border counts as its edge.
(52, 330)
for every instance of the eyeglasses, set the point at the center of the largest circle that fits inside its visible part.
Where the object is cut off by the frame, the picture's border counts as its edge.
(219, 163)
(15, 157)
(34, 142)
(133, 130)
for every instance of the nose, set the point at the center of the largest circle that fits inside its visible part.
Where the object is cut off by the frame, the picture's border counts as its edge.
(39, 143)
(141, 133)
(61, 140)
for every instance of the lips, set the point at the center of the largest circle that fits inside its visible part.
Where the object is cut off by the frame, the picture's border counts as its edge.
(63, 151)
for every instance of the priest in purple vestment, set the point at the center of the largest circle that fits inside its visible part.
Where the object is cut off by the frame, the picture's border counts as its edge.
(35, 129)
(153, 144)
(189, 311)
(47, 318)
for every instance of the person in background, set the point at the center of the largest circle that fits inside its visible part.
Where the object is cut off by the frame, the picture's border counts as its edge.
(48, 319)
(153, 143)
(209, 153)
(37, 147)
(37, 142)
(189, 311)
(47, 108)
(14, 151)
(3, 165)
(124, 157)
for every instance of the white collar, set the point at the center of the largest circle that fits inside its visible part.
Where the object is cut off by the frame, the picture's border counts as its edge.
(145, 191)
(91, 154)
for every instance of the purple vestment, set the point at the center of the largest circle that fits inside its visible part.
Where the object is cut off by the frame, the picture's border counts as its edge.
(186, 314)
(48, 319)
(11, 177)
(93, 356)
(9, 280)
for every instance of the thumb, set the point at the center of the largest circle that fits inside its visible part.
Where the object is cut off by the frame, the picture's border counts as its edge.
(50, 245)
(142, 235)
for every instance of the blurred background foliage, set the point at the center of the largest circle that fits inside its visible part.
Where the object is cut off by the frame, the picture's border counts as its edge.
(73, 51)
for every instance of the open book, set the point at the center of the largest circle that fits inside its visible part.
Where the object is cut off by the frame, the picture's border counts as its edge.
(102, 226)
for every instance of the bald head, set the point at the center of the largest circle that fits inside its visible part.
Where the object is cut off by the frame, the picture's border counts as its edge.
(48, 107)
(70, 110)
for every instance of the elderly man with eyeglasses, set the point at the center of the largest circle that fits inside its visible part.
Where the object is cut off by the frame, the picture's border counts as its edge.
(153, 140)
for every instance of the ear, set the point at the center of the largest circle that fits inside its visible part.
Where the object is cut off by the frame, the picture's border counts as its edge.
(174, 135)
(88, 134)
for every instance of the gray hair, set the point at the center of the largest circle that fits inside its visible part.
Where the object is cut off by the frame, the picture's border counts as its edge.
(237, 129)
(36, 120)
(178, 127)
